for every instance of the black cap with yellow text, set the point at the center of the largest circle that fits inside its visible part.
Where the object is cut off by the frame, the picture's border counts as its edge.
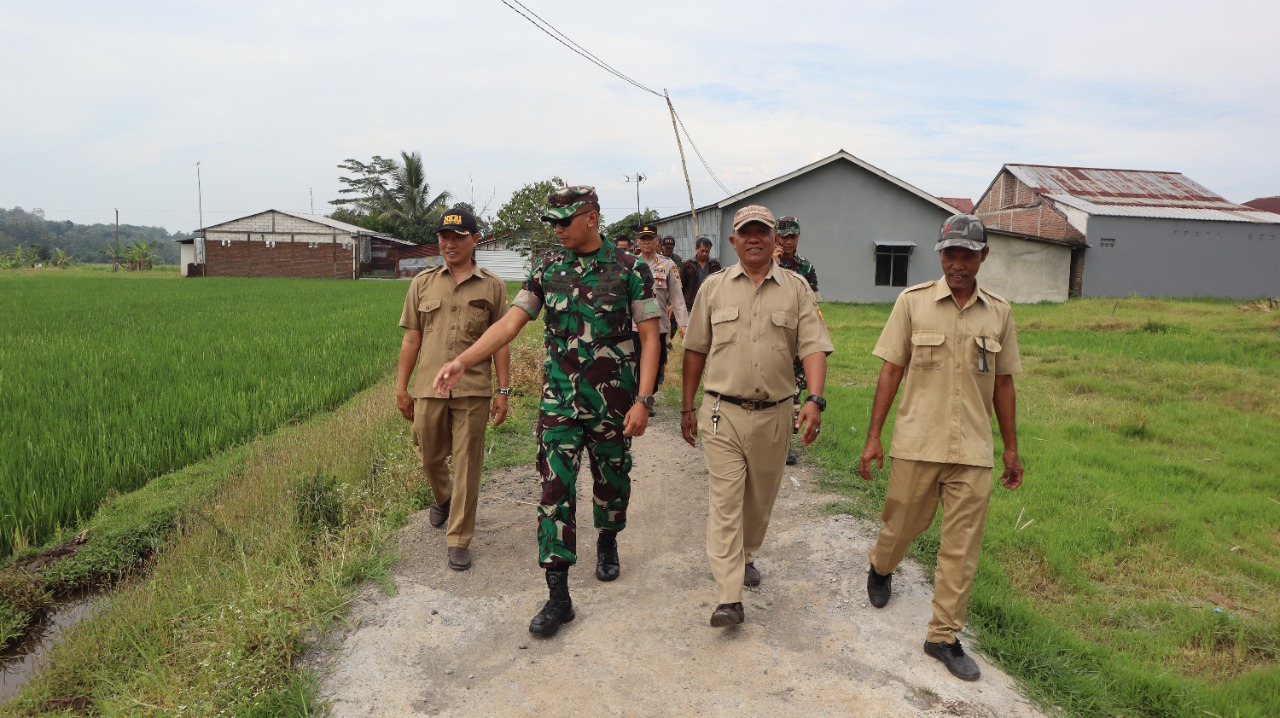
(460, 220)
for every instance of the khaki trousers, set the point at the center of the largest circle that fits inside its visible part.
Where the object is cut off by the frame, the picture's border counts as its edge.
(746, 453)
(453, 427)
(914, 490)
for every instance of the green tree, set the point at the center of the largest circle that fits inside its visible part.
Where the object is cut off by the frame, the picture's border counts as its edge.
(520, 219)
(409, 206)
(631, 223)
(61, 259)
(384, 195)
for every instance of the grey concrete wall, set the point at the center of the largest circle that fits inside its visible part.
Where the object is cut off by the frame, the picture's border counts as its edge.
(1026, 272)
(1181, 258)
(843, 210)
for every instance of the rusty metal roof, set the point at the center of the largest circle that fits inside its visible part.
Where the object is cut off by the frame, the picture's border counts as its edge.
(964, 204)
(1133, 193)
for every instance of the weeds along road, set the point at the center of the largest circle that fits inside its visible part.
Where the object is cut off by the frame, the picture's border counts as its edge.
(457, 644)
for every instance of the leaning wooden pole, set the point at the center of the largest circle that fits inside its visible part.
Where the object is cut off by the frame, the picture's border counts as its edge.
(692, 211)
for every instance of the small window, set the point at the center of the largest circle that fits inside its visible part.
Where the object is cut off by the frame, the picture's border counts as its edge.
(891, 265)
(1107, 242)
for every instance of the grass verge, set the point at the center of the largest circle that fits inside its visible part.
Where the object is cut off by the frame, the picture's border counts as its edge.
(254, 554)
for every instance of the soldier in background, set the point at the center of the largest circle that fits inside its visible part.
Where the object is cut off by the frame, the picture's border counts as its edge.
(623, 243)
(787, 258)
(669, 293)
(598, 388)
(669, 250)
(452, 305)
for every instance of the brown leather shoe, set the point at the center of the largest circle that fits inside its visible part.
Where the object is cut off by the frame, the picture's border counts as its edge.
(437, 515)
(727, 614)
(751, 576)
(459, 558)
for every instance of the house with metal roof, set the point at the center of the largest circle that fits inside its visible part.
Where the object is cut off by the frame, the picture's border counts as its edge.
(279, 243)
(871, 234)
(1157, 234)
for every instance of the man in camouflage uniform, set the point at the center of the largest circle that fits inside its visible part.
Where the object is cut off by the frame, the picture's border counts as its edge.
(669, 250)
(598, 385)
(787, 258)
(669, 293)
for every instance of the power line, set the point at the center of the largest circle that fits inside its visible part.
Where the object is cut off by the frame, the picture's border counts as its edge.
(563, 39)
(555, 34)
(698, 152)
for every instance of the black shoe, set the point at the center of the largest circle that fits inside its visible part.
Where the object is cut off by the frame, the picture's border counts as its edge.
(879, 588)
(438, 514)
(954, 658)
(792, 458)
(751, 575)
(728, 614)
(556, 611)
(607, 564)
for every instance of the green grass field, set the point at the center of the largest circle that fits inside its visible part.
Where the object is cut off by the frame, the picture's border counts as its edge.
(107, 381)
(1144, 578)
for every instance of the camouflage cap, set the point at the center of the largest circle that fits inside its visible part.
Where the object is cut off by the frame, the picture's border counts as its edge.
(566, 201)
(646, 231)
(962, 230)
(753, 213)
(788, 225)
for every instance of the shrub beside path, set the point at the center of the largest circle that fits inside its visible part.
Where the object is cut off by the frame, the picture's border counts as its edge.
(452, 643)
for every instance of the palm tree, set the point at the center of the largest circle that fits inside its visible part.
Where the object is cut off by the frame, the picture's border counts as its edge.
(408, 206)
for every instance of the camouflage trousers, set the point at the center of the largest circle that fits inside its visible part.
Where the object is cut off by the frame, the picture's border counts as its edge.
(561, 441)
(801, 382)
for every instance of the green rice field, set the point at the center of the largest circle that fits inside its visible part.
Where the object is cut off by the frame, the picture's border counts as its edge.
(1137, 570)
(107, 381)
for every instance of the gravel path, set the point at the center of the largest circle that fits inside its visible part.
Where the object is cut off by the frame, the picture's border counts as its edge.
(457, 644)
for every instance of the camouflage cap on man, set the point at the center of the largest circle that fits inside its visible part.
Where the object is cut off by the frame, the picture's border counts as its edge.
(788, 225)
(566, 201)
(962, 230)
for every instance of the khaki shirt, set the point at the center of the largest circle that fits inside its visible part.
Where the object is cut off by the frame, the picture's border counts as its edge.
(451, 318)
(751, 335)
(669, 292)
(944, 413)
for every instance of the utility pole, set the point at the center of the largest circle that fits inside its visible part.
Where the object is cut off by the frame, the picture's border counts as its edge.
(312, 192)
(637, 178)
(200, 194)
(115, 254)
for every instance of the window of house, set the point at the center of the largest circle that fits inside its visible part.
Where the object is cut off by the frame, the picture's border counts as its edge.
(1107, 242)
(891, 263)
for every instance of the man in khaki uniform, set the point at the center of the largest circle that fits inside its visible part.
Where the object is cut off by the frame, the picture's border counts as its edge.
(748, 324)
(957, 348)
(451, 306)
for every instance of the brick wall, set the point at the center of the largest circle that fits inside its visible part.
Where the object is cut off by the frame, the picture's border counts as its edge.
(240, 258)
(1014, 207)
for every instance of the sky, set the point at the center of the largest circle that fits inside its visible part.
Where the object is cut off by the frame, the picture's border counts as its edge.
(107, 106)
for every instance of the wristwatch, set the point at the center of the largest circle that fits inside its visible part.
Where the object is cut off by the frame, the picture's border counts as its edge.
(819, 400)
(505, 392)
(646, 399)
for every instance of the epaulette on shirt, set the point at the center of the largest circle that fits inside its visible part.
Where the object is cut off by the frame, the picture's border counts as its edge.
(922, 285)
(994, 296)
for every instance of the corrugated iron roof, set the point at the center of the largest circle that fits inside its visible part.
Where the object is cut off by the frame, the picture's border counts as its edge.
(1266, 204)
(1133, 193)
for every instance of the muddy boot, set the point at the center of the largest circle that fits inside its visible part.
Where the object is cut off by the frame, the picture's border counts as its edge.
(557, 610)
(607, 565)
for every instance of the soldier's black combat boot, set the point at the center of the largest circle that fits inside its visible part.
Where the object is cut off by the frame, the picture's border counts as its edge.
(557, 610)
(607, 564)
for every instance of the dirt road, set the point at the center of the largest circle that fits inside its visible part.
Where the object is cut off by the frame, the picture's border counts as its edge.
(457, 644)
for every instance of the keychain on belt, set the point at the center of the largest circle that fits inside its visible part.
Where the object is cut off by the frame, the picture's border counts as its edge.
(715, 416)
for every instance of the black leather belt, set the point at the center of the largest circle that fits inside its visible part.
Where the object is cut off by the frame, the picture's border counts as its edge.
(748, 404)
